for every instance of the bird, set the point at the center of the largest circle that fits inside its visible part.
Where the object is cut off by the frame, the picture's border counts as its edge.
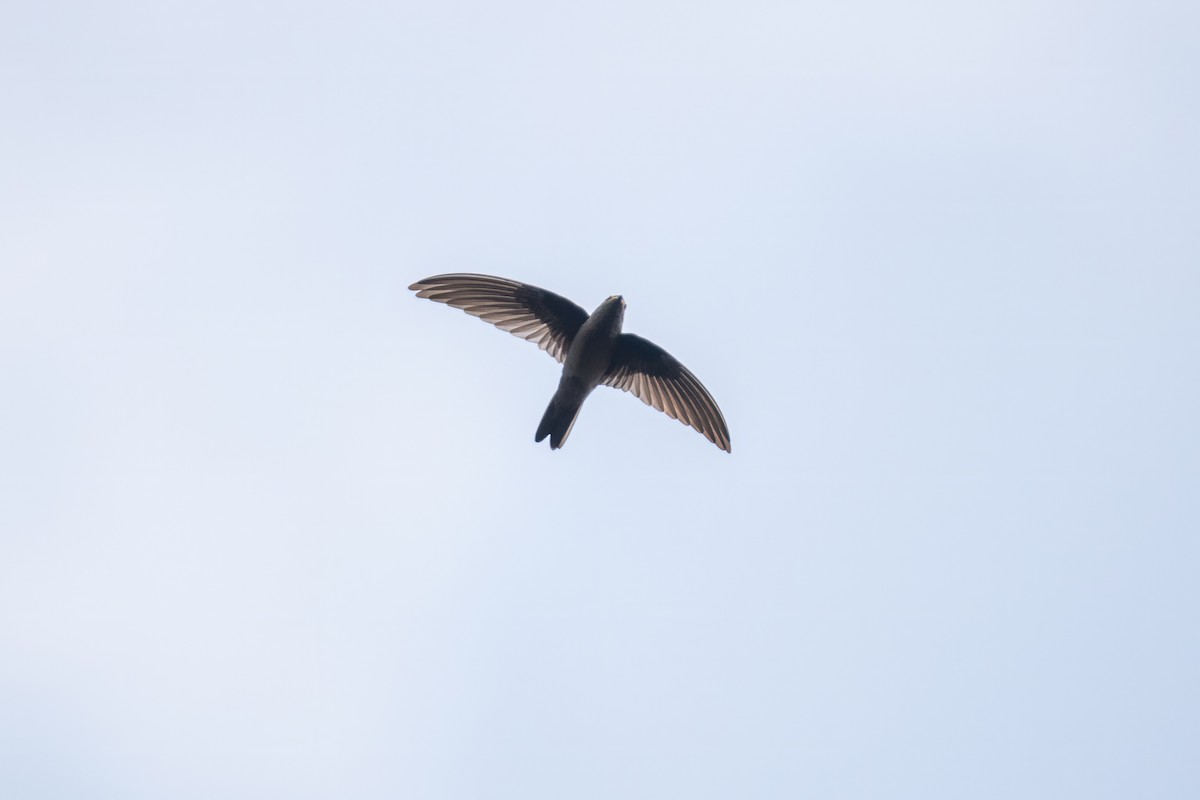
(591, 347)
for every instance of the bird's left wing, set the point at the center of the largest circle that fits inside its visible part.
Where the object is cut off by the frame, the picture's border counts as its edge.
(548, 320)
(653, 375)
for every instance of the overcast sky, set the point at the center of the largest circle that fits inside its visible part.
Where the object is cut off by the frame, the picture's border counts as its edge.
(271, 526)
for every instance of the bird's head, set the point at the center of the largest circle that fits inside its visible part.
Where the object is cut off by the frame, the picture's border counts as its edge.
(612, 311)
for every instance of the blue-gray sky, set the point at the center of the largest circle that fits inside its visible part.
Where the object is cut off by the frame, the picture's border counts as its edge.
(272, 527)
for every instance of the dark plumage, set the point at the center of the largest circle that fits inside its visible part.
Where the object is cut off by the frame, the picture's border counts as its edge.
(591, 348)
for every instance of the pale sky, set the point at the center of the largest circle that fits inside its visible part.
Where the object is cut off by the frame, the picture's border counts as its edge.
(270, 526)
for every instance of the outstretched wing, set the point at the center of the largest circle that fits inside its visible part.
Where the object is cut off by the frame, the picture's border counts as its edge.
(544, 318)
(652, 374)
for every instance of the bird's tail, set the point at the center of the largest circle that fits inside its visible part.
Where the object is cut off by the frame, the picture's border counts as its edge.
(560, 417)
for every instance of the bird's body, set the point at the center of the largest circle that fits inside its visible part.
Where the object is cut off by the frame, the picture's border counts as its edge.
(591, 348)
(587, 360)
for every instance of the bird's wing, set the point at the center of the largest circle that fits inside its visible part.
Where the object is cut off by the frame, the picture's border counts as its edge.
(652, 374)
(544, 318)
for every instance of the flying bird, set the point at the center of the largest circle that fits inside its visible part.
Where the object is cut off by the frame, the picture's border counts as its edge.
(591, 348)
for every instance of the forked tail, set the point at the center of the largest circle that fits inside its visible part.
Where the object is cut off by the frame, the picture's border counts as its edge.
(560, 417)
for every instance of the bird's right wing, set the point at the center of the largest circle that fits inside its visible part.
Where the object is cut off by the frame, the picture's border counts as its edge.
(548, 320)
